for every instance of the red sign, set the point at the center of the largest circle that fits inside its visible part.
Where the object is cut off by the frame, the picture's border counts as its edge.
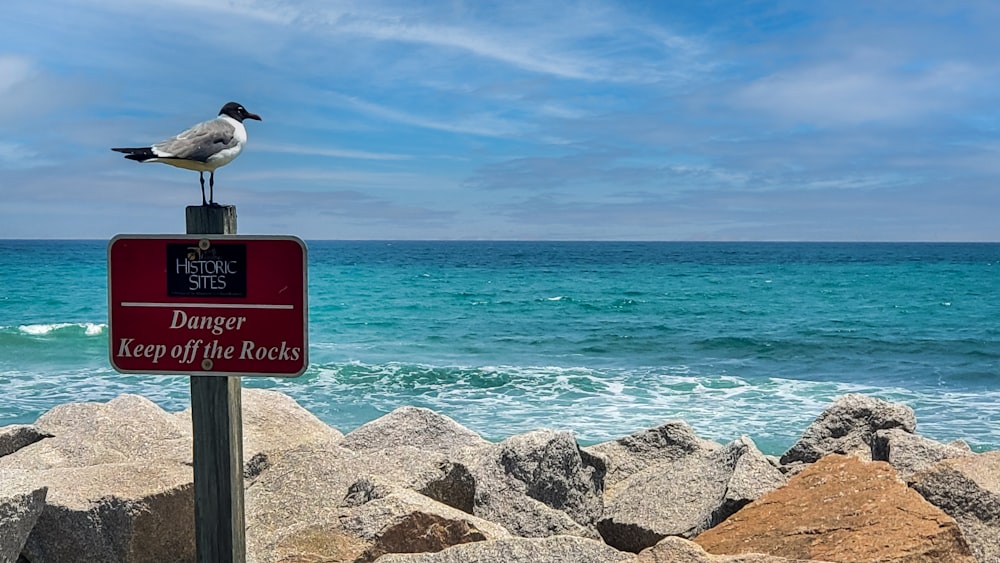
(208, 305)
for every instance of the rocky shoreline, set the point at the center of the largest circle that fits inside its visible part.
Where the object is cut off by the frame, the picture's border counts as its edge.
(112, 482)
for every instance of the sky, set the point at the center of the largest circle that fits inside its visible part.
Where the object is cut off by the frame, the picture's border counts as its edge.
(546, 120)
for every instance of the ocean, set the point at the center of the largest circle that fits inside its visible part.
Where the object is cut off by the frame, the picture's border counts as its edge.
(601, 338)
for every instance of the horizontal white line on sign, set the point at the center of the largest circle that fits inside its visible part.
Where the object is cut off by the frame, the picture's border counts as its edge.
(206, 305)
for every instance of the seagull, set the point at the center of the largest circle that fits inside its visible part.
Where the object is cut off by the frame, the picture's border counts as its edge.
(204, 147)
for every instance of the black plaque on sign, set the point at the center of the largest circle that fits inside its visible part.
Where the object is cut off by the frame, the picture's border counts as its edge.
(200, 269)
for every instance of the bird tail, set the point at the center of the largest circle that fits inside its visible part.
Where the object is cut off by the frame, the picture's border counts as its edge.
(141, 154)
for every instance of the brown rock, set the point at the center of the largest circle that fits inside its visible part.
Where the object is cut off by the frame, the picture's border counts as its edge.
(842, 509)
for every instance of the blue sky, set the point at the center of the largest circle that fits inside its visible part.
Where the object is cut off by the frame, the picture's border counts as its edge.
(511, 120)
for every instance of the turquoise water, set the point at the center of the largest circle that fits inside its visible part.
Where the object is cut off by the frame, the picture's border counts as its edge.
(599, 338)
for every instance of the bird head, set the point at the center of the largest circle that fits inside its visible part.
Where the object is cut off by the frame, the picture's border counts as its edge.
(238, 112)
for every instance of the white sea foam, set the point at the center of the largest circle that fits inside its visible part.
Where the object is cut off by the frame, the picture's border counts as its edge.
(89, 329)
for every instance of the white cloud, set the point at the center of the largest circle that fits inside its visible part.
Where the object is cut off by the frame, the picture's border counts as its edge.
(863, 88)
(17, 156)
(14, 70)
(482, 124)
(330, 152)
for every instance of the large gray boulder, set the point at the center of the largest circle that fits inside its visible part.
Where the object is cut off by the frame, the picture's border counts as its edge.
(967, 489)
(848, 427)
(540, 484)
(686, 496)
(306, 485)
(20, 506)
(568, 549)
(127, 429)
(272, 421)
(131, 428)
(669, 441)
(910, 454)
(674, 549)
(17, 436)
(111, 513)
(416, 427)
(373, 519)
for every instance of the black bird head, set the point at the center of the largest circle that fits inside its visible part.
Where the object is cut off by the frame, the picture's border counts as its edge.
(238, 112)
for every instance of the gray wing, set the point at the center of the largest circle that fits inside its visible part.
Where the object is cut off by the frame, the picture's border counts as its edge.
(199, 142)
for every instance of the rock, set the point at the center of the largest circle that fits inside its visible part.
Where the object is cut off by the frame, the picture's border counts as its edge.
(413, 426)
(673, 549)
(135, 513)
(126, 429)
(968, 489)
(296, 486)
(754, 475)
(20, 506)
(909, 453)
(273, 421)
(669, 441)
(402, 521)
(17, 436)
(848, 426)
(131, 428)
(540, 484)
(568, 549)
(842, 509)
(686, 496)
(375, 519)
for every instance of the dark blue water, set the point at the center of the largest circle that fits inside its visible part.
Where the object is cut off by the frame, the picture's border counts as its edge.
(600, 338)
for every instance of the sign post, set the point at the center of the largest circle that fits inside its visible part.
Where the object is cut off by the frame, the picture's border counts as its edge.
(214, 306)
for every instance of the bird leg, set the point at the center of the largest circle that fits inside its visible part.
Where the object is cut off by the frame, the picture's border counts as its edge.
(211, 187)
(201, 176)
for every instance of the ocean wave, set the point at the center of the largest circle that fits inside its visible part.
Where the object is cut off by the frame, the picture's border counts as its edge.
(604, 404)
(46, 329)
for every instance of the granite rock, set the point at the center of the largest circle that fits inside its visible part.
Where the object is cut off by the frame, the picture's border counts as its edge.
(17, 436)
(272, 421)
(848, 426)
(416, 427)
(540, 484)
(20, 506)
(968, 489)
(114, 513)
(373, 519)
(910, 453)
(127, 429)
(841, 508)
(567, 549)
(669, 441)
(674, 549)
(306, 484)
(686, 496)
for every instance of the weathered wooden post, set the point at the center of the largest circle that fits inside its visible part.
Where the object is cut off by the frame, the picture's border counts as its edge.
(217, 424)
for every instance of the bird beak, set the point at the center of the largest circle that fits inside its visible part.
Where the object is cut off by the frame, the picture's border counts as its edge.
(253, 116)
